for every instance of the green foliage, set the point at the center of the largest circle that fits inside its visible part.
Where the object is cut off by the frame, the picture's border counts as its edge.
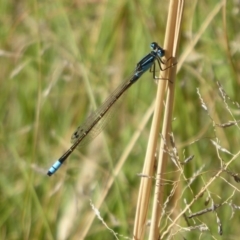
(61, 59)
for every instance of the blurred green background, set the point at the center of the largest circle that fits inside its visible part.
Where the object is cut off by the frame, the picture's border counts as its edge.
(61, 59)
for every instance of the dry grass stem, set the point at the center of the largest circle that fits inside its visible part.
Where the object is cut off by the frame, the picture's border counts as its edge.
(171, 39)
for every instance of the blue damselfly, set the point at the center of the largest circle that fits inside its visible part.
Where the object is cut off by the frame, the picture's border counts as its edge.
(147, 63)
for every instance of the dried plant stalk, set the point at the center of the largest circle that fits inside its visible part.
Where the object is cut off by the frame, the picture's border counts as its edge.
(171, 39)
(171, 43)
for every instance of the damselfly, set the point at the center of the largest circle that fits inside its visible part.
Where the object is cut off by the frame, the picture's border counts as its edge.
(147, 63)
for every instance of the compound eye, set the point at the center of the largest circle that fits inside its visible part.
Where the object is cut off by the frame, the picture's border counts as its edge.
(160, 52)
(153, 46)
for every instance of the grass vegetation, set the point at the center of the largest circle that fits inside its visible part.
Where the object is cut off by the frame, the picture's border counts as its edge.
(59, 61)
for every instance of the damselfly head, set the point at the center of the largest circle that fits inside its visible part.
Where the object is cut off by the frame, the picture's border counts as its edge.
(157, 49)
